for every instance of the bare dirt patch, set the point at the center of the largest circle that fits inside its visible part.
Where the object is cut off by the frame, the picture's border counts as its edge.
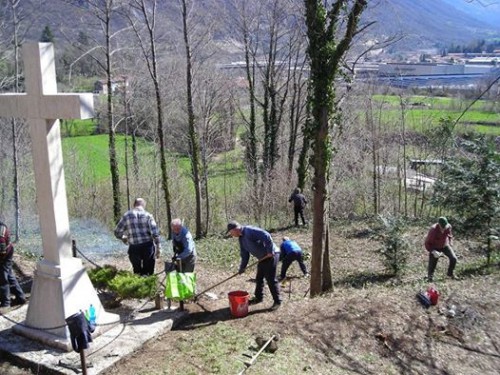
(369, 324)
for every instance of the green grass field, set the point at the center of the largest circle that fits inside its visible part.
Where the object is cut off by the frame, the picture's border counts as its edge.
(225, 172)
(429, 111)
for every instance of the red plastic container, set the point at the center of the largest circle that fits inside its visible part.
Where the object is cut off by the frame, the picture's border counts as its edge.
(238, 303)
(433, 295)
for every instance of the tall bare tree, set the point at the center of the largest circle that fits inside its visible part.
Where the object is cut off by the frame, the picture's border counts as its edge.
(19, 17)
(146, 10)
(103, 53)
(193, 136)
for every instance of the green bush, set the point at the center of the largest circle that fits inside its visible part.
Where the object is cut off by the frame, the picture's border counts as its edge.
(123, 283)
(129, 285)
(102, 276)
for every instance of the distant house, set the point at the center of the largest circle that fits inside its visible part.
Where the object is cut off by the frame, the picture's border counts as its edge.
(420, 182)
(118, 84)
(419, 69)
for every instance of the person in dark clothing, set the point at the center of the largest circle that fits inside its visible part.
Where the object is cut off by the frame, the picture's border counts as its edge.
(183, 245)
(8, 281)
(260, 244)
(291, 252)
(438, 243)
(138, 229)
(299, 204)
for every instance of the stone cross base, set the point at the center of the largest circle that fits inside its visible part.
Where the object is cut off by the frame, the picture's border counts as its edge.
(58, 292)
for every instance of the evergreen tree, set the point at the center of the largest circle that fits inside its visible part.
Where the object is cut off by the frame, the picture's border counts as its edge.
(47, 36)
(470, 186)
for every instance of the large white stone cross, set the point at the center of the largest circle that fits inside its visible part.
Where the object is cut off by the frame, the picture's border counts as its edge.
(61, 286)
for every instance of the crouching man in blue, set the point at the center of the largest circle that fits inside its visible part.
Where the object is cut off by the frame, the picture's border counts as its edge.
(183, 244)
(259, 243)
(291, 252)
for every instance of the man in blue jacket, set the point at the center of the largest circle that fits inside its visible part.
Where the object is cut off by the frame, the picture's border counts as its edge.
(290, 252)
(183, 244)
(259, 243)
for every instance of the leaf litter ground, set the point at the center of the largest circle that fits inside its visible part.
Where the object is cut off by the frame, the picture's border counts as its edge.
(369, 324)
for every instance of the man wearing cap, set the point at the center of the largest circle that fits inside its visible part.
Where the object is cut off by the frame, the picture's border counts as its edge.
(260, 244)
(438, 243)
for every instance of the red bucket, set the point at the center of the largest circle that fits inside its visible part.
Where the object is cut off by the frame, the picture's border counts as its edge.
(238, 303)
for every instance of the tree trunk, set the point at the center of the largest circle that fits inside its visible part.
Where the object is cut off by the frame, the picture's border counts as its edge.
(113, 161)
(251, 149)
(325, 54)
(149, 54)
(304, 152)
(194, 142)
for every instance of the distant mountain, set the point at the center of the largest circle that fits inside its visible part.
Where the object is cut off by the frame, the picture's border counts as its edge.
(423, 23)
(427, 23)
(487, 11)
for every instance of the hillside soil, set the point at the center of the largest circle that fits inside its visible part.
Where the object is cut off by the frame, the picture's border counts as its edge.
(369, 324)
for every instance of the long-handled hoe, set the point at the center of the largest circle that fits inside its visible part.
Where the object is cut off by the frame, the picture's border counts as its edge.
(222, 282)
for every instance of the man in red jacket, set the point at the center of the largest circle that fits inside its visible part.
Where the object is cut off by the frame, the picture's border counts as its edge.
(438, 243)
(8, 281)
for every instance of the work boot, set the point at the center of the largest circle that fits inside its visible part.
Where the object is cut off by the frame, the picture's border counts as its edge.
(275, 306)
(254, 301)
(18, 301)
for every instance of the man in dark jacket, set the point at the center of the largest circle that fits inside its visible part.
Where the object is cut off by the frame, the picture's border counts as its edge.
(260, 244)
(8, 281)
(299, 203)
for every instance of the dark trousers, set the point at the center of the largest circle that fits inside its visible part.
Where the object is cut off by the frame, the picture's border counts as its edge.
(296, 212)
(289, 259)
(448, 251)
(142, 257)
(267, 270)
(187, 264)
(8, 281)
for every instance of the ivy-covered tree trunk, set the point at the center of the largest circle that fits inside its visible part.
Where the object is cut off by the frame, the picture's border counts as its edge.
(113, 160)
(329, 41)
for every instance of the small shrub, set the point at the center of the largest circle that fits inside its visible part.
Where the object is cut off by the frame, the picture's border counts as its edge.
(101, 277)
(129, 285)
(123, 283)
(396, 246)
